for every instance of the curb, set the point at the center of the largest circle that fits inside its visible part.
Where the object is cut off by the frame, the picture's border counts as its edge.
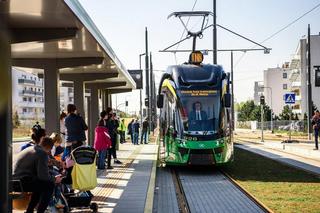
(152, 182)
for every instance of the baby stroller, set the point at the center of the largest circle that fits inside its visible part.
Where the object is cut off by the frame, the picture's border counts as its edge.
(84, 179)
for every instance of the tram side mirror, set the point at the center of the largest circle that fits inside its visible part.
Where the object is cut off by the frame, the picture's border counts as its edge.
(227, 100)
(160, 101)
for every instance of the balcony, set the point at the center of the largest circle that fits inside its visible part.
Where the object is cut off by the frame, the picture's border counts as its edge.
(31, 92)
(296, 84)
(294, 75)
(26, 81)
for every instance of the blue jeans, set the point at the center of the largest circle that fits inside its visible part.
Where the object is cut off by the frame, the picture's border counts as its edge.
(316, 136)
(144, 137)
(101, 159)
(136, 138)
(131, 135)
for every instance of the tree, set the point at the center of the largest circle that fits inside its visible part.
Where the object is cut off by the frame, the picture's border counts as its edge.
(15, 120)
(248, 111)
(245, 110)
(256, 113)
(286, 113)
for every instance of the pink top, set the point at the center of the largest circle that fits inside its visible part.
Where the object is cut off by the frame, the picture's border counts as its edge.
(102, 139)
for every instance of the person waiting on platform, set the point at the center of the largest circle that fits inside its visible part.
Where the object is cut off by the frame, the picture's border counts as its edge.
(112, 125)
(135, 130)
(31, 168)
(144, 132)
(122, 131)
(130, 132)
(37, 133)
(102, 140)
(75, 130)
(197, 113)
(316, 127)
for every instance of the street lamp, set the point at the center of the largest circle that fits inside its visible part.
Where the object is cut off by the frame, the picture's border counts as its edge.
(271, 107)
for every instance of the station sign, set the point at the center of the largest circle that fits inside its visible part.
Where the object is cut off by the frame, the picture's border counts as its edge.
(137, 77)
(290, 98)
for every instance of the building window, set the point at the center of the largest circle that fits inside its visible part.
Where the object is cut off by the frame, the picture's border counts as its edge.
(29, 99)
(25, 99)
(35, 100)
(24, 110)
(284, 75)
(285, 86)
(70, 99)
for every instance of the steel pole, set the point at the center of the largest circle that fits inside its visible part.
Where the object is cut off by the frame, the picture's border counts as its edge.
(271, 112)
(141, 89)
(262, 122)
(309, 86)
(151, 95)
(214, 32)
(232, 93)
(147, 72)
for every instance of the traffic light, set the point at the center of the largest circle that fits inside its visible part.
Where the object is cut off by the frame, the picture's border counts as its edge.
(146, 102)
(262, 100)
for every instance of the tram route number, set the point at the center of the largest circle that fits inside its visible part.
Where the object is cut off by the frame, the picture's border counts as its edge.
(198, 92)
(189, 138)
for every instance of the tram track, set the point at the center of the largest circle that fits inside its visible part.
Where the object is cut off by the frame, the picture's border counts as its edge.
(181, 197)
(212, 191)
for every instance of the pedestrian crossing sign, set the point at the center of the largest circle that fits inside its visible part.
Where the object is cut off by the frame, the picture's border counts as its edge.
(289, 98)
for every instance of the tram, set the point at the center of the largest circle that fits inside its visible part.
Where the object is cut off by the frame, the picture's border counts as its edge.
(195, 115)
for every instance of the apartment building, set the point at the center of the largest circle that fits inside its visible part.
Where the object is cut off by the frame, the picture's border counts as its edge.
(276, 84)
(28, 95)
(299, 76)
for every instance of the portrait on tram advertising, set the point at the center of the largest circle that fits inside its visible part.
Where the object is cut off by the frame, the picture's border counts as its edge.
(199, 110)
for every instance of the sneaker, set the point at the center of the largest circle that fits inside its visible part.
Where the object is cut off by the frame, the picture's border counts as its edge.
(110, 167)
(117, 162)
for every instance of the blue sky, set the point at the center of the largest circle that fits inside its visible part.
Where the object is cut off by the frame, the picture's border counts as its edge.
(123, 22)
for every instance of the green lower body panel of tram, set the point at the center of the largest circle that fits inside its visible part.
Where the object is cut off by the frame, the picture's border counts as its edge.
(215, 152)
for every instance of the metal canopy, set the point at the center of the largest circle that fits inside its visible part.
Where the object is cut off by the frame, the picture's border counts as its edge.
(66, 34)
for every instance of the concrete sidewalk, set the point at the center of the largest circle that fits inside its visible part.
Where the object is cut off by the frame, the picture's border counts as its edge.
(125, 188)
(299, 155)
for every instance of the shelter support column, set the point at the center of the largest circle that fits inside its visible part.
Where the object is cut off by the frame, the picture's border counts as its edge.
(51, 98)
(78, 92)
(5, 123)
(94, 113)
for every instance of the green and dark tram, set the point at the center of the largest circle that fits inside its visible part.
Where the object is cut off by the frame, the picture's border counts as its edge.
(194, 101)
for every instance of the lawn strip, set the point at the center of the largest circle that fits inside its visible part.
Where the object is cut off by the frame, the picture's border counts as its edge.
(278, 186)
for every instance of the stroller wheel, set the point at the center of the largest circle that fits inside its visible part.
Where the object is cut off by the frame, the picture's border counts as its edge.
(94, 207)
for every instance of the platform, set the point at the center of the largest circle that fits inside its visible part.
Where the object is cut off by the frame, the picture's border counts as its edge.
(298, 155)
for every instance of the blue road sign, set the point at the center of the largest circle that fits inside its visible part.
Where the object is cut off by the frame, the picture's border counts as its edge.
(290, 98)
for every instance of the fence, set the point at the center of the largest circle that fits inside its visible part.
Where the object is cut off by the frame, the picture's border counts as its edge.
(299, 126)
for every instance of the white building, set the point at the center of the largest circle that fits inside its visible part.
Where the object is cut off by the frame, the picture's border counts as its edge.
(28, 95)
(299, 76)
(276, 84)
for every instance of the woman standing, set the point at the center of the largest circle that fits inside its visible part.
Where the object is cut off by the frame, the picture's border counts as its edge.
(102, 140)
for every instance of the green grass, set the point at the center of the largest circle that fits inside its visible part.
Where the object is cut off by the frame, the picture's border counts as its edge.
(280, 187)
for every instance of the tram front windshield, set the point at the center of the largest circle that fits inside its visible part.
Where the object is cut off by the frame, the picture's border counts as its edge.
(199, 112)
